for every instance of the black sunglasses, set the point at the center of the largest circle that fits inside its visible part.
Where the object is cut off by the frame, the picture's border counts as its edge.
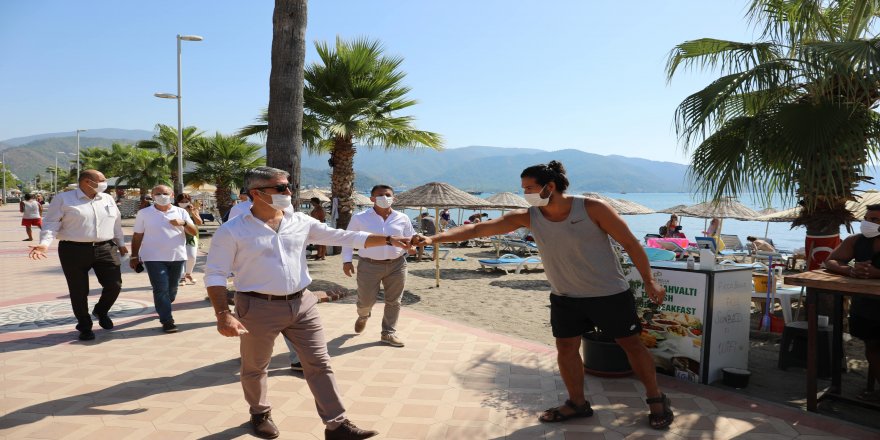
(280, 188)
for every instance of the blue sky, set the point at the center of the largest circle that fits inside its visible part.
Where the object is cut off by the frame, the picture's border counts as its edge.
(550, 75)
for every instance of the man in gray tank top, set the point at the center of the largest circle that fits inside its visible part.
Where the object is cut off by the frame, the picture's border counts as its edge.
(587, 287)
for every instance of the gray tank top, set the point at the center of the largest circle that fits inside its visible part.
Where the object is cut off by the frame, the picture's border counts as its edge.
(577, 254)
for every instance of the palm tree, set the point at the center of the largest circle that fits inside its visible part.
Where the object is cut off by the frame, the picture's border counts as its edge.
(792, 114)
(165, 141)
(136, 167)
(221, 161)
(284, 139)
(354, 94)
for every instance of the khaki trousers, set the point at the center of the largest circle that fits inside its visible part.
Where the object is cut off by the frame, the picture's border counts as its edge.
(392, 275)
(300, 322)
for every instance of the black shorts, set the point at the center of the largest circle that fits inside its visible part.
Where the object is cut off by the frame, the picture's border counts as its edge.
(615, 315)
(866, 329)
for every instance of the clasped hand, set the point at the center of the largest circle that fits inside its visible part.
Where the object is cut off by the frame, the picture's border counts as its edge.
(864, 269)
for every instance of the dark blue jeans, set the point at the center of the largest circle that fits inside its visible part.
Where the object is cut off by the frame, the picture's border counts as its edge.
(164, 277)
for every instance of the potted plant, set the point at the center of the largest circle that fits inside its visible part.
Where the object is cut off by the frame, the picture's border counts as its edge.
(603, 357)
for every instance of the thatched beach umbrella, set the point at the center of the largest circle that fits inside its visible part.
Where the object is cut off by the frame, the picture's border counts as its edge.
(507, 200)
(308, 194)
(438, 195)
(727, 207)
(677, 210)
(860, 207)
(360, 199)
(623, 207)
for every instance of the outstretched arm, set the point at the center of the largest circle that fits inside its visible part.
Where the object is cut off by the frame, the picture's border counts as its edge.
(610, 221)
(507, 223)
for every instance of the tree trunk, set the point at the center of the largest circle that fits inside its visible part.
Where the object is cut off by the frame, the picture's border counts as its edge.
(342, 179)
(223, 197)
(284, 139)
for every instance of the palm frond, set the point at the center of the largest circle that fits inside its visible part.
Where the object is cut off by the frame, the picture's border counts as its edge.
(726, 56)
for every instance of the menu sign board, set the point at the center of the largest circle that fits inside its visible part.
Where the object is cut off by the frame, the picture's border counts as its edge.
(729, 325)
(674, 332)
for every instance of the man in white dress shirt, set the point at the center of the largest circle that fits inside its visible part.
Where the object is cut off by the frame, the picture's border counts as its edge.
(89, 226)
(265, 248)
(243, 206)
(383, 264)
(159, 242)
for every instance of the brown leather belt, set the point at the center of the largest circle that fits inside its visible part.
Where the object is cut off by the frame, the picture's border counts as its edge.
(292, 296)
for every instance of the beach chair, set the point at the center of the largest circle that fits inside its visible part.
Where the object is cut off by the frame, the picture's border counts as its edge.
(647, 236)
(732, 242)
(508, 262)
(707, 243)
(519, 246)
(442, 252)
(655, 254)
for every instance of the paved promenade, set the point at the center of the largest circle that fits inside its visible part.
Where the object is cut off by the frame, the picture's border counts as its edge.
(449, 382)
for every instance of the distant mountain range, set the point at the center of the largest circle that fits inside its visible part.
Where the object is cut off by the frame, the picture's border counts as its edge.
(476, 168)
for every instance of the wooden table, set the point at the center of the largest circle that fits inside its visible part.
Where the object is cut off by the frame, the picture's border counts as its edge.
(824, 282)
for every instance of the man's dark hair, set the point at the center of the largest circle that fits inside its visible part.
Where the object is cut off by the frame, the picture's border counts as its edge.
(378, 187)
(750, 238)
(546, 173)
(28, 196)
(424, 214)
(315, 201)
(875, 207)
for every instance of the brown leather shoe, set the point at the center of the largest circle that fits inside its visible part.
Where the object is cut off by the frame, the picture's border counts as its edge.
(360, 324)
(263, 425)
(347, 431)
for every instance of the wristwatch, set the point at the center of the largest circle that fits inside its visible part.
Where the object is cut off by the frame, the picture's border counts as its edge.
(388, 240)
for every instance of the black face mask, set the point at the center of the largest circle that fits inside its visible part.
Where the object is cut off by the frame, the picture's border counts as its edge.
(678, 229)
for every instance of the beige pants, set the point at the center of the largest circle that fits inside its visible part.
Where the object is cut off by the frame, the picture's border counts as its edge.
(300, 322)
(392, 275)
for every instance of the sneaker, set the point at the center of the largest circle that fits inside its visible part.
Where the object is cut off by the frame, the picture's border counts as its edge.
(360, 324)
(392, 339)
(263, 425)
(87, 335)
(348, 431)
(169, 327)
(104, 321)
(298, 366)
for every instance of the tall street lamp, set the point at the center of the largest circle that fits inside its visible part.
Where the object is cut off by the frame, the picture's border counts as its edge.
(3, 202)
(78, 163)
(180, 38)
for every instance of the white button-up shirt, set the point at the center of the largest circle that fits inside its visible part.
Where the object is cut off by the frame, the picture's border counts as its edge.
(266, 261)
(73, 216)
(396, 224)
(239, 209)
(162, 240)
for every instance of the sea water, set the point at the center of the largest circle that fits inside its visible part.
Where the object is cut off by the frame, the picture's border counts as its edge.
(782, 234)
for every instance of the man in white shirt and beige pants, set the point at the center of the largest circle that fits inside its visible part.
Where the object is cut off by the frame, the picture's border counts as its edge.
(89, 225)
(383, 264)
(265, 248)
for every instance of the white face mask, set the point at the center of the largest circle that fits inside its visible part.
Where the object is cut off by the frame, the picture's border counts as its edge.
(384, 202)
(280, 201)
(102, 186)
(535, 199)
(183, 204)
(162, 199)
(869, 229)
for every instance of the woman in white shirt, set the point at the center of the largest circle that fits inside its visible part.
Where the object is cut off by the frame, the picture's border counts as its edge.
(31, 215)
(192, 241)
(163, 253)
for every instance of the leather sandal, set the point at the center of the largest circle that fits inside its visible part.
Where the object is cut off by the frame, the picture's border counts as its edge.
(553, 415)
(664, 419)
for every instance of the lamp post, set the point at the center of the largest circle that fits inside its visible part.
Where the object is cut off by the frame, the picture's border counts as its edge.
(180, 38)
(78, 163)
(3, 202)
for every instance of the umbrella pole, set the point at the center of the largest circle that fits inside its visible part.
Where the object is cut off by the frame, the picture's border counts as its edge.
(437, 248)
(766, 229)
(497, 244)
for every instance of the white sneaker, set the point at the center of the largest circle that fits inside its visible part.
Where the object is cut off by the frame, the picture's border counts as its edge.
(392, 339)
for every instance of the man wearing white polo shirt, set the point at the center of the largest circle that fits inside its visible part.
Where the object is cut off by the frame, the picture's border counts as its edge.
(159, 242)
(265, 248)
(382, 264)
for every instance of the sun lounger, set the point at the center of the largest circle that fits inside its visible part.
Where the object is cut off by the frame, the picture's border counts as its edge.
(508, 262)
(519, 246)
(732, 242)
(443, 252)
